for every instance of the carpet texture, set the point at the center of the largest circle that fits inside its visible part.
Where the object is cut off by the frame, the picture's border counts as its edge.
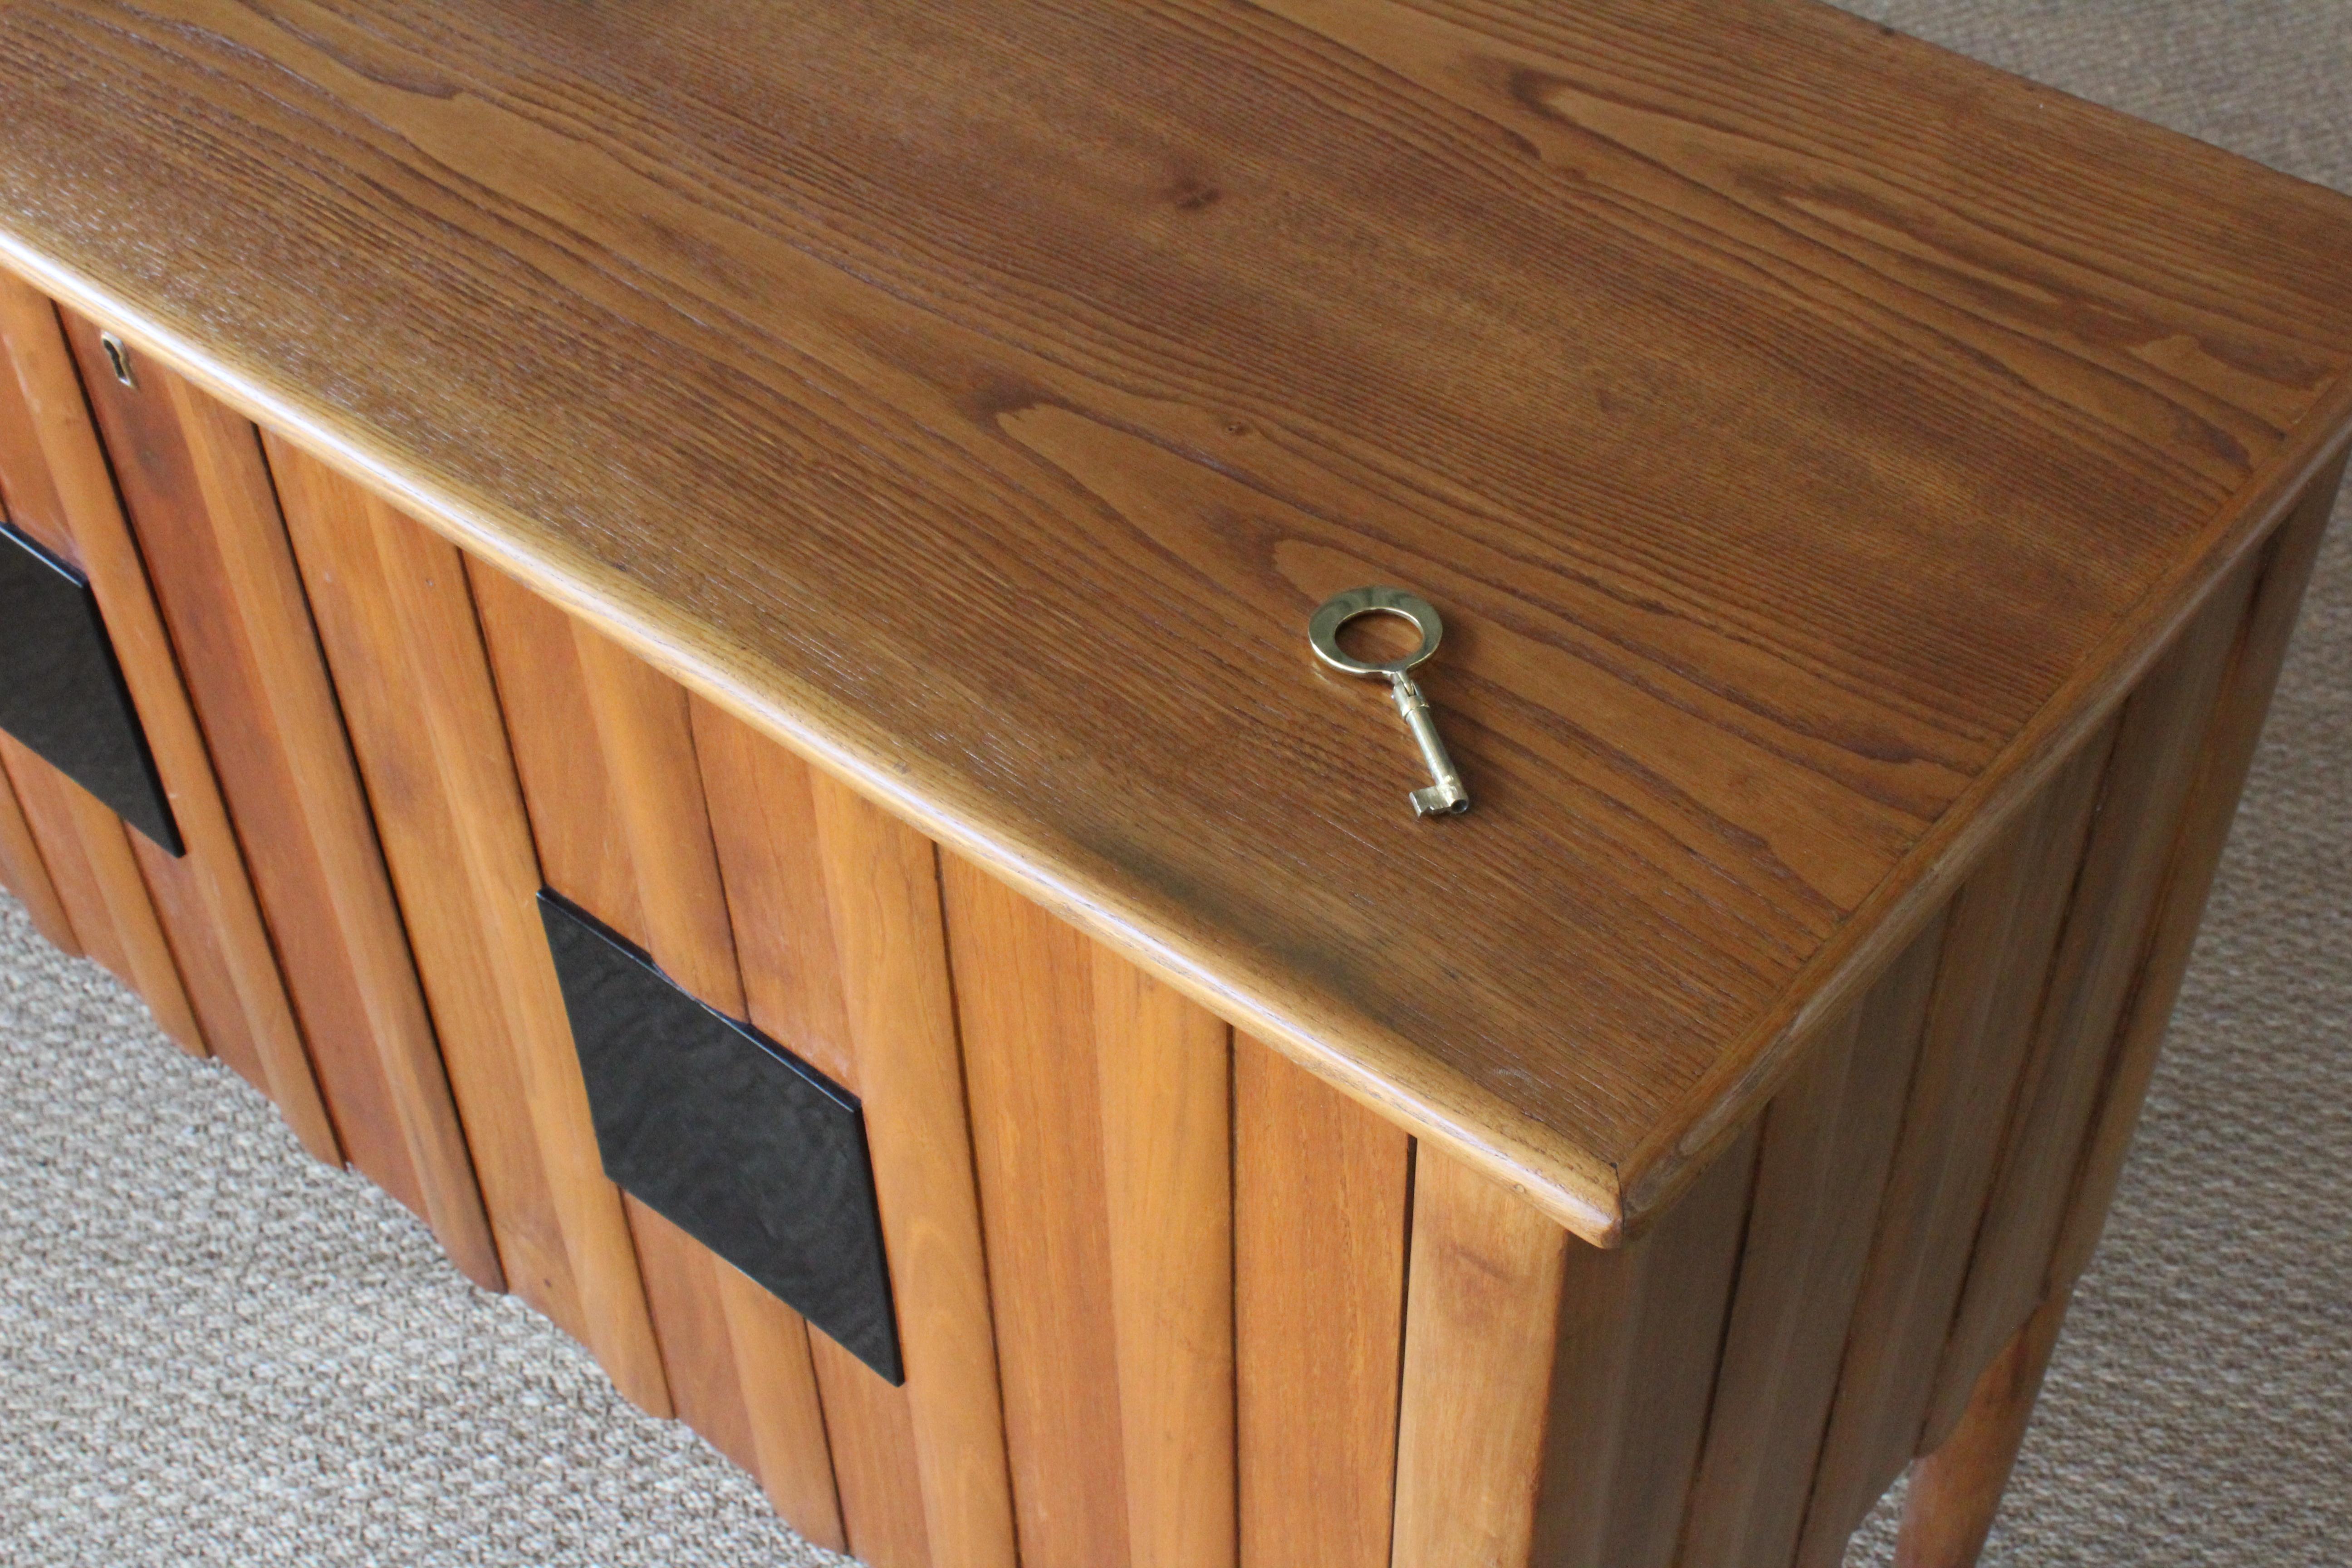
(213, 1350)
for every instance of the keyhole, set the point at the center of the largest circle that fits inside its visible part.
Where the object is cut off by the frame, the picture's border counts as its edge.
(118, 357)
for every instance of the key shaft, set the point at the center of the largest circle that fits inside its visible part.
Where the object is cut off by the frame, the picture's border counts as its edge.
(1446, 794)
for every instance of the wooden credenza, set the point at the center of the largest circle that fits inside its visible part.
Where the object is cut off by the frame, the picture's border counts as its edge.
(829, 503)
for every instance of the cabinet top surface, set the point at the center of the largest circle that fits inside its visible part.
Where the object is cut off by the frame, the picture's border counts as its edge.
(1804, 433)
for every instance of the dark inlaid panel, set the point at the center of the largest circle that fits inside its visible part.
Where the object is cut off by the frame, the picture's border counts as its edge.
(61, 692)
(727, 1135)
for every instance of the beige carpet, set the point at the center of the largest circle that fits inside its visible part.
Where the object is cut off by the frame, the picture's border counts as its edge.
(212, 1351)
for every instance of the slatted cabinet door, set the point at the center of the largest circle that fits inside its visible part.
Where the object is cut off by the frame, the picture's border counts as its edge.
(397, 621)
(221, 983)
(836, 913)
(1322, 1196)
(206, 513)
(1102, 1130)
(604, 748)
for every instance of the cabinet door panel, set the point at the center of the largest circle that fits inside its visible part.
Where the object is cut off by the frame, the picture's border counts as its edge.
(616, 808)
(221, 985)
(200, 498)
(398, 622)
(836, 910)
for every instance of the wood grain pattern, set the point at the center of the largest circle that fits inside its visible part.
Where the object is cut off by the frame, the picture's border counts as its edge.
(1998, 942)
(836, 914)
(1554, 1393)
(398, 622)
(201, 504)
(27, 875)
(2159, 747)
(537, 660)
(616, 808)
(1322, 1199)
(1829, 1141)
(221, 967)
(88, 852)
(1808, 433)
(1100, 1126)
(774, 1366)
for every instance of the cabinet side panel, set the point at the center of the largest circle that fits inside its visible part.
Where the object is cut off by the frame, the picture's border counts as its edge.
(1829, 1141)
(207, 903)
(1322, 1194)
(1164, 1068)
(206, 512)
(1998, 938)
(1101, 1130)
(27, 875)
(397, 623)
(616, 808)
(2228, 754)
(537, 662)
(1641, 1331)
(2159, 747)
(836, 916)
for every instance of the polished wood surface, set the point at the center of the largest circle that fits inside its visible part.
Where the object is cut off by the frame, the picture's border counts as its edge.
(844, 951)
(2228, 754)
(1808, 436)
(2159, 750)
(1102, 1137)
(1829, 1143)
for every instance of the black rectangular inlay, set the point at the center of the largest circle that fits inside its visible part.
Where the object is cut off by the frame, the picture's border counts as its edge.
(61, 692)
(727, 1135)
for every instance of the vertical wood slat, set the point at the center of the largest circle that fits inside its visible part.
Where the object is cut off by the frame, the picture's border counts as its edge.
(1322, 1197)
(27, 875)
(1482, 1334)
(1999, 936)
(92, 854)
(87, 851)
(2160, 743)
(532, 650)
(736, 1359)
(835, 908)
(1828, 1145)
(204, 510)
(227, 968)
(1102, 1134)
(1555, 1396)
(396, 619)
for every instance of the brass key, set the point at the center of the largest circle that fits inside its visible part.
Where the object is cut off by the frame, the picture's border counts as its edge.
(1446, 796)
